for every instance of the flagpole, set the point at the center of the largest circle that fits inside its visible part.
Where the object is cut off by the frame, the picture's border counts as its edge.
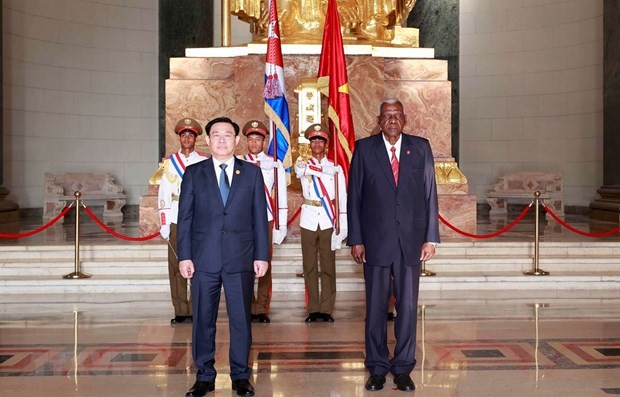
(276, 194)
(337, 203)
(276, 106)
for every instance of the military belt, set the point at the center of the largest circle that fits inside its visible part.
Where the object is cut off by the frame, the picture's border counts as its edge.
(314, 203)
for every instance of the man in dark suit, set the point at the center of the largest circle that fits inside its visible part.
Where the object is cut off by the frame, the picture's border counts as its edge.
(222, 241)
(393, 226)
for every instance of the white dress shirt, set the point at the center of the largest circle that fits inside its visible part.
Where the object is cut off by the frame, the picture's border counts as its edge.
(229, 169)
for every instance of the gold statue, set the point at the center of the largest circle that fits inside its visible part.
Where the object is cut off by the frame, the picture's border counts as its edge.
(301, 21)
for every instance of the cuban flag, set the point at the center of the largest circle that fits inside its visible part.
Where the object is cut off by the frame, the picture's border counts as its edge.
(276, 106)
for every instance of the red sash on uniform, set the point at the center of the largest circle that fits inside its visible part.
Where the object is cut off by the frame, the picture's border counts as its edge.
(270, 204)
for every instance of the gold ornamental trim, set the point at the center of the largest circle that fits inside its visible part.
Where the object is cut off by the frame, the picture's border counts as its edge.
(155, 179)
(448, 173)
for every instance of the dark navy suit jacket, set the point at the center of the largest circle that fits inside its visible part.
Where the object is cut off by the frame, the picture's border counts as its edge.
(386, 218)
(218, 236)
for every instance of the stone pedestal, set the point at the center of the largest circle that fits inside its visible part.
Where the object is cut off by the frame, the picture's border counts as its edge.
(206, 87)
(9, 211)
(149, 216)
(607, 207)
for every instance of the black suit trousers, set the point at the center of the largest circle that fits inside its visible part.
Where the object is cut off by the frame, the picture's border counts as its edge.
(206, 291)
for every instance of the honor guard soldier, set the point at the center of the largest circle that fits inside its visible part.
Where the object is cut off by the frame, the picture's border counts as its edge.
(319, 239)
(169, 191)
(275, 193)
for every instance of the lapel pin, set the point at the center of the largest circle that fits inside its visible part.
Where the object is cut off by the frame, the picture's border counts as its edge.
(237, 172)
(408, 152)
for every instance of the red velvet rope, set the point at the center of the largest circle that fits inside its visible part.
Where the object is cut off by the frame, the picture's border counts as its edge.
(40, 229)
(572, 229)
(494, 234)
(115, 234)
(295, 215)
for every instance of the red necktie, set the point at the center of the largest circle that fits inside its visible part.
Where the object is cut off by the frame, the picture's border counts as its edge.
(394, 164)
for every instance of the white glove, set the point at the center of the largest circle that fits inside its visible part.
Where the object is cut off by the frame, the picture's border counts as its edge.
(337, 239)
(279, 235)
(165, 231)
(300, 169)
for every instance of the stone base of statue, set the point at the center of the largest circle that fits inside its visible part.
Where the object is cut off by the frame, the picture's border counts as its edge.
(607, 207)
(9, 211)
(229, 82)
(149, 216)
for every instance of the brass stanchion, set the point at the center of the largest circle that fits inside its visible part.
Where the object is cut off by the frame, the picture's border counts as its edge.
(536, 271)
(426, 273)
(76, 271)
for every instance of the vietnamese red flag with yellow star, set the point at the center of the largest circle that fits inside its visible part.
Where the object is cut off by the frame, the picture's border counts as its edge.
(334, 83)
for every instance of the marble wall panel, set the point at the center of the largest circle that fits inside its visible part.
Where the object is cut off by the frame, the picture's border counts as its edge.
(460, 188)
(460, 211)
(366, 77)
(202, 68)
(248, 86)
(366, 80)
(416, 69)
(427, 105)
(149, 215)
(198, 99)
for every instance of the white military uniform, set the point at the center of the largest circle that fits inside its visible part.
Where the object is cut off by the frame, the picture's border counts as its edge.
(262, 299)
(170, 187)
(318, 238)
(317, 184)
(267, 165)
(168, 198)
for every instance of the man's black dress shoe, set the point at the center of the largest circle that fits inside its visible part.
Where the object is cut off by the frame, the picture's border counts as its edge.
(403, 382)
(391, 316)
(243, 387)
(200, 388)
(326, 317)
(181, 320)
(263, 318)
(312, 317)
(375, 382)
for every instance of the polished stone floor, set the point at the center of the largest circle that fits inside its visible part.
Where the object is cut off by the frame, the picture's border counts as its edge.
(470, 343)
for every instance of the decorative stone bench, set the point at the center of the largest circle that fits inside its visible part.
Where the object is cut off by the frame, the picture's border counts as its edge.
(521, 186)
(60, 189)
